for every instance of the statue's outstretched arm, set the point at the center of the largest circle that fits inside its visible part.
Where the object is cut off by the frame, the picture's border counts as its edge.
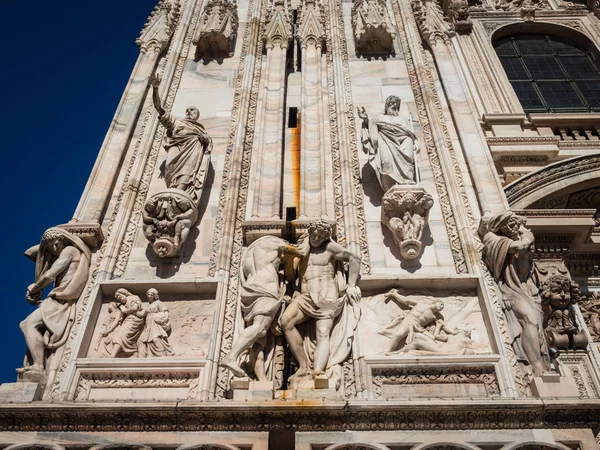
(155, 82)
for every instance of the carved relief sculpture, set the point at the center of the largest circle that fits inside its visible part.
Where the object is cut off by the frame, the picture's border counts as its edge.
(63, 259)
(217, 30)
(405, 211)
(320, 321)
(169, 215)
(391, 145)
(132, 329)
(507, 253)
(262, 294)
(558, 294)
(459, 343)
(423, 312)
(590, 309)
(373, 30)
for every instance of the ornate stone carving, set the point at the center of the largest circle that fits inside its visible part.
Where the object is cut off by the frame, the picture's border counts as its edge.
(423, 312)
(328, 299)
(391, 145)
(590, 308)
(431, 23)
(168, 217)
(133, 329)
(160, 26)
(507, 253)
(457, 12)
(278, 30)
(373, 30)
(405, 211)
(217, 31)
(310, 24)
(63, 259)
(262, 289)
(559, 293)
(526, 6)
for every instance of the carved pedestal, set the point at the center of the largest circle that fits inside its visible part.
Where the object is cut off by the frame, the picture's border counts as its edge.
(405, 211)
(246, 389)
(553, 385)
(373, 32)
(216, 34)
(168, 217)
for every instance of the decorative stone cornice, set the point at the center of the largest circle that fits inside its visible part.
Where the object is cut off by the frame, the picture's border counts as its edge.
(160, 26)
(278, 30)
(357, 415)
(310, 28)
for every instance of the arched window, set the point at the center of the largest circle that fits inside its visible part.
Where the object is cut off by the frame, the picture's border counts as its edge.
(550, 73)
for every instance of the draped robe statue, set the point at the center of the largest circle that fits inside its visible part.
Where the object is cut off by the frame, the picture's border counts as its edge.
(390, 144)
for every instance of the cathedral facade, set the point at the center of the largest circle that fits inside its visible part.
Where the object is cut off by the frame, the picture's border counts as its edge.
(331, 225)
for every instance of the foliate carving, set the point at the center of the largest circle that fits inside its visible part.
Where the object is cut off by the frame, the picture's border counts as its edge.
(106, 380)
(62, 259)
(373, 30)
(405, 211)
(160, 26)
(436, 376)
(278, 30)
(134, 329)
(168, 217)
(524, 5)
(217, 30)
(310, 24)
(507, 253)
(559, 293)
(590, 308)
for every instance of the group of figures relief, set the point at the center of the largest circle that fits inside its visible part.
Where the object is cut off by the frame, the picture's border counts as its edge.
(300, 291)
(135, 329)
(170, 214)
(539, 312)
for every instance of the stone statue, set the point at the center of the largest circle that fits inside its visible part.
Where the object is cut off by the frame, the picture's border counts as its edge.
(186, 144)
(63, 259)
(507, 253)
(391, 145)
(459, 343)
(328, 300)
(154, 340)
(424, 311)
(123, 335)
(262, 290)
(405, 211)
(591, 313)
(558, 294)
(168, 217)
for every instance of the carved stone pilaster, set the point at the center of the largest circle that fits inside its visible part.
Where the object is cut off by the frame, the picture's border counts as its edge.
(310, 29)
(405, 211)
(217, 31)
(278, 30)
(160, 26)
(373, 30)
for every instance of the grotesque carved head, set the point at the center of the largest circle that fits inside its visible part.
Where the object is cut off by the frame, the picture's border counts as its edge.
(559, 292)
(392, 105)
(319, 232)
(192, 113)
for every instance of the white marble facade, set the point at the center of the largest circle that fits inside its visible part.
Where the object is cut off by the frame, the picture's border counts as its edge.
(341, 340)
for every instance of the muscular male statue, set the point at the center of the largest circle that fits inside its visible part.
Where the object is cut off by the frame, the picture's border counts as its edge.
(63, 259)
(262, 291)
(323, 296)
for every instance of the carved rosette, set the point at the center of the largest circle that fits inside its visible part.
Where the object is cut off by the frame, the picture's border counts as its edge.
(405, 211)
(217, 31)
(373, 30)
(168, 216)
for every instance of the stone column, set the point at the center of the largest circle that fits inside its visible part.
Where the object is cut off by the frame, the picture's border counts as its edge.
(266, 199)
(313, 193)
(153, 41)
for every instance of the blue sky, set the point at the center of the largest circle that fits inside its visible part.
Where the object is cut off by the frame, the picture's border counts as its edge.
(64, 68)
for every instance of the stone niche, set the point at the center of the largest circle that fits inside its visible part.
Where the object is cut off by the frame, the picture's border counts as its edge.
(174, 372)
(426, 338)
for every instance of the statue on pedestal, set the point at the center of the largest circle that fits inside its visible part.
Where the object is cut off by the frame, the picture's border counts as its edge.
(63, 259)
(391, 145)
(262, 294)
(327, 301)
(507, 253)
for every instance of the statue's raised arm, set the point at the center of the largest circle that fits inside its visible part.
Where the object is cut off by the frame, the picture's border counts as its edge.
(155, 83)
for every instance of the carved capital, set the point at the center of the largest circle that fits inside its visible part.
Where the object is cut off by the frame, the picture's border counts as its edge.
(168, 216)
(405, 211)
(217, 31)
